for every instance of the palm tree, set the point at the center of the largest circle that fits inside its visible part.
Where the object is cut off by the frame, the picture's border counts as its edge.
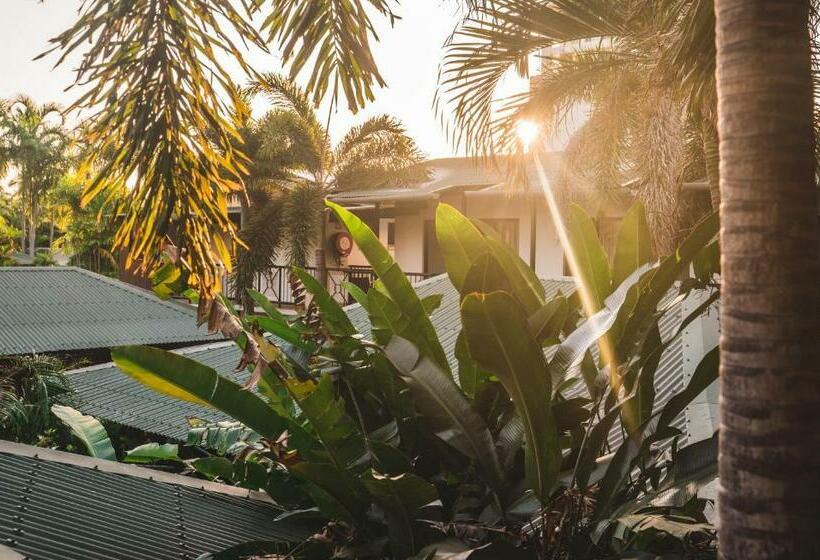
(650, 103)
(293, 167)
(770, 357)
(33, 142)
(172, 130)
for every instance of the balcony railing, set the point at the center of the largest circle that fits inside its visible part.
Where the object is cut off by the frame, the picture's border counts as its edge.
(275, 283)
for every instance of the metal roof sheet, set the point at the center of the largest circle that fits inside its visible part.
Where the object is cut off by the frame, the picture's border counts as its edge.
(61, 506)
(105, 392)
(53, 309)
(449, 173)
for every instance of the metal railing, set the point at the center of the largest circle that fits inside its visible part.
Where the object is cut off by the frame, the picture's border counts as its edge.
(275, 283)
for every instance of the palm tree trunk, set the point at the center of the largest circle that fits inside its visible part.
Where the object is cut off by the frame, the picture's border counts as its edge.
(51, 230)
(32, 228)
(23, 228)
(769, 503)
(711, 155)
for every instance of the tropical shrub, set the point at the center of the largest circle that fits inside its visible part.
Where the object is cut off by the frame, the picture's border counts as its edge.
(29, 385)
(544, 441)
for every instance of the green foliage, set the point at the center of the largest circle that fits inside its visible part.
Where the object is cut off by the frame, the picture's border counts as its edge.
(499, 339)
(88, 430)
(293, 167)
(380, 438)
(29, 386)
(152, 452)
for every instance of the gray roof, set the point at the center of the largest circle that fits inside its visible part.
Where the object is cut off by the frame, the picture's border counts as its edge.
(105, 392)
(54, 309)
(62, 506)
(471, 174)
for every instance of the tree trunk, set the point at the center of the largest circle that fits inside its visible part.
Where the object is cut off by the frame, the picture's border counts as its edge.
(23, 228)
(51, 231)
(32, 229)
(711, 156)
(769, 503)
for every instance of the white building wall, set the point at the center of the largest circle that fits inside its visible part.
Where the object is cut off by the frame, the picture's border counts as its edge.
(410, 242)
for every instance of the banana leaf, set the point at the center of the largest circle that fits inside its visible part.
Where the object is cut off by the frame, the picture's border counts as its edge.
(152, 452)
(345, 445)
(593, 266)
(499, 339)
(653, 429)
(634, 246)
(332, 314)
(460, 241)
(269, 309)
(396, 284)
(445, 408)
(185, 379)
(88, 430)
(401, 497)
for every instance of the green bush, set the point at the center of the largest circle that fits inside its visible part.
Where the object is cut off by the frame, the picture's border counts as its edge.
(399, 456)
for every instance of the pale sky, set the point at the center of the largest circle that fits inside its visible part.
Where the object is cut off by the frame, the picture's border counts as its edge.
(408, 56)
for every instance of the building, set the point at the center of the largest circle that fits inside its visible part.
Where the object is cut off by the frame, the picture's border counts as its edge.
(72, 312)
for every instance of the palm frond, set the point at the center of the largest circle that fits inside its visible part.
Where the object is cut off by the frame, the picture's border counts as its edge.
(166, 110)
(262, 236)
(377, 152)
(336, 36)
(302, 210)
(498, 36)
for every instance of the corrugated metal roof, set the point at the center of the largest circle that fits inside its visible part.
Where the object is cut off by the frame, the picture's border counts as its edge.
(105, 392)
(449, 173)
(53, 309)
(61, 506)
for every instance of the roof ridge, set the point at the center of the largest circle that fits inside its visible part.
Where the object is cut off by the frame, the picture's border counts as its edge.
(142, 292)
(114, 467)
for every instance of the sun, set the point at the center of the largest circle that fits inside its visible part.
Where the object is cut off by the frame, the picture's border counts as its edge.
(527, 132)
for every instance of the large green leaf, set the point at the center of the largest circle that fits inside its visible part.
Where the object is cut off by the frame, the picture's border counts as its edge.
(337, 493)
(499, 339)
(332, 314)
(471, 377)
(653, 429)
(464, 243)
(634, 246)
(266, 305)
(356, 293)
(88, 430)
(152, 452)
(401, 497)
(396, 285)
(692, 467)
(524, 284)
(339, 434)
(657, 285)
(485, 275)
(460, 241)
(572, 350)
(593, 266)
(386, 319)
(445, 408)
(183, 378)
(547, 322)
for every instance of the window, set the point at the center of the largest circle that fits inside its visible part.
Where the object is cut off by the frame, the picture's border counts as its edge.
(507, 228)
(387, 234)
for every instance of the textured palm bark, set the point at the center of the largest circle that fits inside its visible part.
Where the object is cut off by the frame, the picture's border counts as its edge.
(711, 156)
(769, 504)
